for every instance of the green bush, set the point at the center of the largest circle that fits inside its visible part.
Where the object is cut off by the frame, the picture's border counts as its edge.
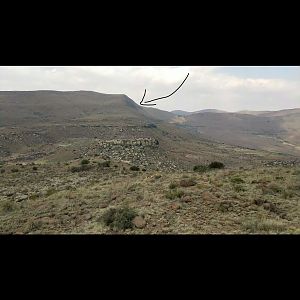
(119, 218)
(200, 168)
(239, 188)
(216, 165)
(134, 168)
(173, 194)
(85, 162)
(173, 185)
(237, 180)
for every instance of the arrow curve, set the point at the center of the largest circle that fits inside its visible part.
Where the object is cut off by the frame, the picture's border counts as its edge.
(145, 103)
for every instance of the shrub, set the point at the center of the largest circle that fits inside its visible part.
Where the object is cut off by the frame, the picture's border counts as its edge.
(225, 206)
(134, 168)
(287, 194)
(104, 164)
(120, 218)
(173, 185)
(85, 162)
(15, 170)
(7, 206)
(239, 188)
(187, 182)
(173, 194)
(34, 168)
(237, 180)
(200, 168)
(80, 168)
(50, 192)
(2, 171)
(216, 165)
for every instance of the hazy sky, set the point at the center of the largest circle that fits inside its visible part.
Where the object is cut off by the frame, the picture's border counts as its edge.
(226, 88)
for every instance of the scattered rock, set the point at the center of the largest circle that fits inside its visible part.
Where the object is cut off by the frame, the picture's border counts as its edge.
(139, 222)
(103, 205)
(175, 206)
(187, 199)
(21, 198)
(207, 196)
(9, 194)
(88, 217)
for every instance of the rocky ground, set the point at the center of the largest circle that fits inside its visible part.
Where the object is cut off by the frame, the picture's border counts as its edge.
(48, 197)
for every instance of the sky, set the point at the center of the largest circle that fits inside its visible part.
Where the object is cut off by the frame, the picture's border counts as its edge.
(225, 88)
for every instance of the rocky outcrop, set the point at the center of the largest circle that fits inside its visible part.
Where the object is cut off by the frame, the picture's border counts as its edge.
(150, 142)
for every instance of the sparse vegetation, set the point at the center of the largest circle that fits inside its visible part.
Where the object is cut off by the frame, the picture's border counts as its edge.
(173, 185)
(104, 164)
(15, 170)
(237, 180)
(134, 168)
(173, 194)
(216, 165)
(80, 168)
(85, 162)
(239, 188)
(119, 218)
(7, 206)
(2, 171)
(200, 168)
(263, 225)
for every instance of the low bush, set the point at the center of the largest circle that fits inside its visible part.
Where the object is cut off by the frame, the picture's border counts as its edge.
(119, 218)
(85, 162)
(134, 168)
(173, 194)
(200, 168)
(216, 165)
(104, 164)
(237, 180)
(80, 168)
(173, 185)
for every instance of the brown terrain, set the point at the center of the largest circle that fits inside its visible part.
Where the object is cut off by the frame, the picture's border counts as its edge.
(85, 162)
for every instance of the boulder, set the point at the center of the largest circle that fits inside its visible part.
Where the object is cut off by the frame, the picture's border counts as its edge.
(139, 222)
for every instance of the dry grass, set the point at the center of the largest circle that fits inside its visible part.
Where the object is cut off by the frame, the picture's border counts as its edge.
(172, 202)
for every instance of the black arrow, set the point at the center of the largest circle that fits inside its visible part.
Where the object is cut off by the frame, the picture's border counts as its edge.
(143, 103)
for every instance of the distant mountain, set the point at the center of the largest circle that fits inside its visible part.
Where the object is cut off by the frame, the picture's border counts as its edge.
(32, 107)
(186, 113)
(88, 114)
(272, 131)
(180, 112)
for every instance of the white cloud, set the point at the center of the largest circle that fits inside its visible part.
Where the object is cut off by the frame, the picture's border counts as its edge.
(206, 87)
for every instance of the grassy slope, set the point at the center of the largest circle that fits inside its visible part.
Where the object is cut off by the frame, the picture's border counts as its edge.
(257, 200)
